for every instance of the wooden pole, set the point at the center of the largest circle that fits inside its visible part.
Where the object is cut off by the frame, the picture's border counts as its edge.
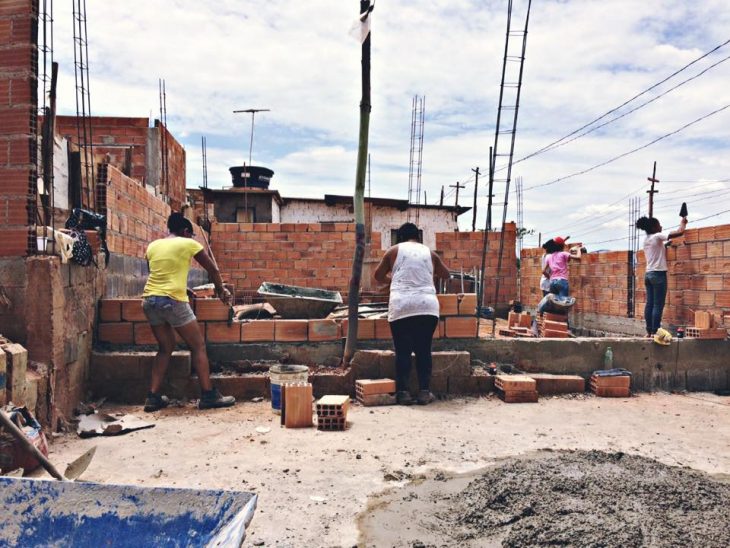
(474, 213)
(353, 299)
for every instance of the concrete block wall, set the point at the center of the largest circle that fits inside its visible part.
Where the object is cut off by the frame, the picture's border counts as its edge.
(309, 255)
(464, 250)
(699, 278)
(18, 123)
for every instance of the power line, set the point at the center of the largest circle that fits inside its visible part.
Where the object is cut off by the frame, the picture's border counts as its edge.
(637, 149)
(612, 120)
(602, 116)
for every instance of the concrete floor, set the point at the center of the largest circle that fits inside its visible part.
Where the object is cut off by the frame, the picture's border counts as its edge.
(312, 485)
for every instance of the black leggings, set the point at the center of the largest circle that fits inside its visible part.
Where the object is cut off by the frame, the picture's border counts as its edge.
(413, 334)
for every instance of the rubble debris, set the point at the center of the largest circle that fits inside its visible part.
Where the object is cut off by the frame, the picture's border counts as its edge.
(101, 424)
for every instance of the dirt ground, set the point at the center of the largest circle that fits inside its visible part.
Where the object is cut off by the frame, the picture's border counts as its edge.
(313, 485)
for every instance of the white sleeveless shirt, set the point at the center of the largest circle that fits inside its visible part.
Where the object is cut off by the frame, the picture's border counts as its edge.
(412, 292)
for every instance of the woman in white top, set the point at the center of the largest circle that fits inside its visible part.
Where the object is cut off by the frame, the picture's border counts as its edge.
(655, 279)
(413, 309)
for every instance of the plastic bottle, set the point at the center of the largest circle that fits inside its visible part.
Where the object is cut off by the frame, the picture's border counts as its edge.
(608, 359)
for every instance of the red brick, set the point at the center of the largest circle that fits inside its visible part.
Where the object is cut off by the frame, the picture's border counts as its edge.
(290, 330)
(132, 310)
(257, 330)
(448, 304)
(110, 310)
(382, 329)
(706, 234)
(143, 334)
(365, 328)
(211, 309)
(221, 332)
(460, 327)
(116, 333)
(324, 330)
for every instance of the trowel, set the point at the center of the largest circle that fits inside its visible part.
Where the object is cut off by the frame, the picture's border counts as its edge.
(683, 210)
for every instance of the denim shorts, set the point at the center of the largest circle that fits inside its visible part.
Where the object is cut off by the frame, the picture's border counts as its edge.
(161, 310)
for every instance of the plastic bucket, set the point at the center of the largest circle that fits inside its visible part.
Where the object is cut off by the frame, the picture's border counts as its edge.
(284, 374)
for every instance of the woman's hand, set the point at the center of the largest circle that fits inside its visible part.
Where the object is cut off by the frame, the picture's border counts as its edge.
(224, 295)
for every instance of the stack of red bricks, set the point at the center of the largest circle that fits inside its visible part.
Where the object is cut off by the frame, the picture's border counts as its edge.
(303, 254)
(463, 250)
(516, 388)
(611, 387)
(458, 316)
(553, 326)
(705, 327)
(518, 325)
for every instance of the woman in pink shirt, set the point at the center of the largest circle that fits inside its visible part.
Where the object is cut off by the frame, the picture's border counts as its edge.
(557, 268)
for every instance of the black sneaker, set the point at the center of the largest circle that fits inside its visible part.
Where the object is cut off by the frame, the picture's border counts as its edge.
(212, 399)
(155, 402)
(425, 397)
(404, 398)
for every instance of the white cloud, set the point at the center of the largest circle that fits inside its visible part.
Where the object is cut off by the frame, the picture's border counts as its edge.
(583, 58)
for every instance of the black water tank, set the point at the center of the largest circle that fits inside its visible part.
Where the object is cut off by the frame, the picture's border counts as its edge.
(251, 176)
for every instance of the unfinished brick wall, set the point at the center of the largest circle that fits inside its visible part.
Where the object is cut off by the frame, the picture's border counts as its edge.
(18, 123)
(699, 278)
(463, 250)
(135, 217)
(135, 149)
(308, 255)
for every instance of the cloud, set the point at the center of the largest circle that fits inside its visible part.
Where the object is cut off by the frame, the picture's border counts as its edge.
(582, 59)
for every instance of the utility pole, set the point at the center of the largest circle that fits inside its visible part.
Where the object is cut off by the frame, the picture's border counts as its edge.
(358, 200)
(457, 186)
(651, 192)
(441, 201)
(474, 213)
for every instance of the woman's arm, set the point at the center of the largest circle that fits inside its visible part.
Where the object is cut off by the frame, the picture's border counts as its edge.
(439, 268)
(385, 266)
(680, 231)
(207, 263)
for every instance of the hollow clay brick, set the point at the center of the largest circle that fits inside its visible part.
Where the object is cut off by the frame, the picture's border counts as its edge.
(290, 330)
(257, 330)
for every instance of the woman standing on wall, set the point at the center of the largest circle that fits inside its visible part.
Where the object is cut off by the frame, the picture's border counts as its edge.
(655, 279)
(413, 309)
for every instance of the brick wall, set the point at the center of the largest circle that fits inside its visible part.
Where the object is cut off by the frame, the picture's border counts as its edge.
(699, 278)
(464, 250)
(122, 322)
(135, 149)
(308, 255)
(135, 217)
(18, 123)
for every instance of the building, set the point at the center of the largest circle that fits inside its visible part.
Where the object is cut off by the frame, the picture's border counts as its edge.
(257, 203)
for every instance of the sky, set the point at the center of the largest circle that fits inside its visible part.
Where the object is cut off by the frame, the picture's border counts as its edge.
(583, 59)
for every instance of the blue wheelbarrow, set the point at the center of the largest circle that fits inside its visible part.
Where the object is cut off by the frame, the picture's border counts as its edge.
(77, 514)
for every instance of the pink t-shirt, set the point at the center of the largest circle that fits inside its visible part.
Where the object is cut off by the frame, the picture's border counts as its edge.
(558, 263)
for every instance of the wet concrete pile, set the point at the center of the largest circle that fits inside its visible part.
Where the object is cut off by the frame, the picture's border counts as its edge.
(556, 498)
(594, 499)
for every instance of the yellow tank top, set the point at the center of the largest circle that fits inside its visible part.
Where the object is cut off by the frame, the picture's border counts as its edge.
(169, 260)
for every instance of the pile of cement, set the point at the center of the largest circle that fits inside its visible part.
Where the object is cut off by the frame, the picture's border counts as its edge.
(591, 498)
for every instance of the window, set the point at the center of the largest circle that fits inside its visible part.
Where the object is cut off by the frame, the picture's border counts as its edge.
(394, 236)
(245, 215)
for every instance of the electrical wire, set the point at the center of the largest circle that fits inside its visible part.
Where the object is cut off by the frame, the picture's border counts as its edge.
(637, 149)
(602, 116)
(612, 120)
